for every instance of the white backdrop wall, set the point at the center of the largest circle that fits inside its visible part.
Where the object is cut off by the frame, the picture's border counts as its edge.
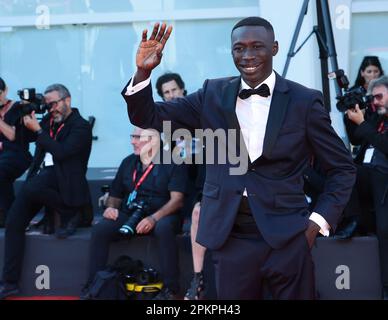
(90, 46)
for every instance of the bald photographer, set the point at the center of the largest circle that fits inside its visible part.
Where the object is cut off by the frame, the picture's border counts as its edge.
(144, 199)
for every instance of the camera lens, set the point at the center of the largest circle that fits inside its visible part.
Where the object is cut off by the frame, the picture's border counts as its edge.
(139, 211)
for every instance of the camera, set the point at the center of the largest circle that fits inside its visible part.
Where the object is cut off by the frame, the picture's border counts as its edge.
(139, 210)
(144, 285)
(351, 96)
(32, 101)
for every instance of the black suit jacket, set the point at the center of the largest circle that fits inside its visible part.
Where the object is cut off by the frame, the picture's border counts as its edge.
(70, 151)
(366, 134)
(298, 127)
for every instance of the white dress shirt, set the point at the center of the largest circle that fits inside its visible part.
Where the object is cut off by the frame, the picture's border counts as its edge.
(252, 114)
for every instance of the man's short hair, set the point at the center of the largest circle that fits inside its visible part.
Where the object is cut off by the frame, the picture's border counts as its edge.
(382, 81)
(167, 77)
(62, 90)
(254, 21)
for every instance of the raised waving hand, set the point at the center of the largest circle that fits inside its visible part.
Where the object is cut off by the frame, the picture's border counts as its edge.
(150, 51)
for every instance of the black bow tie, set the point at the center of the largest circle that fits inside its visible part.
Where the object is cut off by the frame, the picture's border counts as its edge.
(263, 91)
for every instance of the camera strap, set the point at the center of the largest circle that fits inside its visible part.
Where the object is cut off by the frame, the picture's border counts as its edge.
(133, 194)
(52, 134)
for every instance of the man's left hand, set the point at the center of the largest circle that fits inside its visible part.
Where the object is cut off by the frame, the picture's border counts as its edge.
(145, 226)
(31, 123)
(356, 115)
(311, 233)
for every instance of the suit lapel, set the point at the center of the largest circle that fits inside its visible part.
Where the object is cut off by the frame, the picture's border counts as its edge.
(276, 115)
(229, 98)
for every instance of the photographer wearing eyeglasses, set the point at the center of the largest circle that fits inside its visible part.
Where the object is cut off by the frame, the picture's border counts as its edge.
(56, 179)
(14, 155)
(371, 189)
(144, 198)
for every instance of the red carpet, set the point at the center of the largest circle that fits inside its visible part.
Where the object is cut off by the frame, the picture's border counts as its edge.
(45, 298)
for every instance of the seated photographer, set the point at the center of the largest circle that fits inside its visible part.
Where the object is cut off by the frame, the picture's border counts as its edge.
(14, 155)
(56, 179)
(371, 188)
(144, 198)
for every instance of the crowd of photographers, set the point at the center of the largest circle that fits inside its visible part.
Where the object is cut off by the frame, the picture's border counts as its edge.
(146, 198)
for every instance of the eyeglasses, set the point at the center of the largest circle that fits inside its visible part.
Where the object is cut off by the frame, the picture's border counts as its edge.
(138, 137)
(378, 96)
(53, 104)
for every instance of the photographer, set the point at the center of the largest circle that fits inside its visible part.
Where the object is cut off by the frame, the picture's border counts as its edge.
(160, 187)
(371, 188)
(14, 155)
(56, 178)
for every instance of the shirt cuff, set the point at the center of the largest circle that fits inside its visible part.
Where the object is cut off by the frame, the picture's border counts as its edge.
(320, 221)
(131, 89)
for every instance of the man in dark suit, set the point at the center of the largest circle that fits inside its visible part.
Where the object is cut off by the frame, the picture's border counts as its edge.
(57, 177)
(256, 223)
(370, 192)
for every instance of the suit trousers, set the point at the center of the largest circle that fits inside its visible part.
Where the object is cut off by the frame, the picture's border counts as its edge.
(38, 191)
(106, 231)
(245, 263)
(12, 166)
(371, 189)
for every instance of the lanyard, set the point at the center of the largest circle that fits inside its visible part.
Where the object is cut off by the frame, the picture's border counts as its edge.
(383, 126)
(142, 178)
(52, 131)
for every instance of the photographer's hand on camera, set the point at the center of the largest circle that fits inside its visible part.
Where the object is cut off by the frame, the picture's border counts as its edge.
(31, 123)
(356, 115)
(146, 225)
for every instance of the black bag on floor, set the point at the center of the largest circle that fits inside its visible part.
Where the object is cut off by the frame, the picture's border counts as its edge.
(110, 284)
(126, 279)
(107, 285)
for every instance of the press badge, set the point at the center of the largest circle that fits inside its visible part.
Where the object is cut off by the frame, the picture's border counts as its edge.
(48, 160)
(368, 155)
(131, 197)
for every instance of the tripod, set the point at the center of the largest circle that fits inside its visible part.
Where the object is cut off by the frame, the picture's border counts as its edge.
(324, 34)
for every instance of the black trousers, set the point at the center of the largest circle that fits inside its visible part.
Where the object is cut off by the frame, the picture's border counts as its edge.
(246, 262)
(12, 166)
(371, 198)
(41, 190)
(106, 231)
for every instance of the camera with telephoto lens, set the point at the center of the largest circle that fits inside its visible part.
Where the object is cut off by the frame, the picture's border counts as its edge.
(138, 211)
(32, 101)
(352, 96)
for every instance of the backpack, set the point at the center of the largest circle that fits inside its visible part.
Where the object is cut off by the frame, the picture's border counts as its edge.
(107, 285)
(125, 279)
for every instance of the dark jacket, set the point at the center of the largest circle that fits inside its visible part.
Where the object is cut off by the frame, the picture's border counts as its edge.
(298, 126)
(70, 151)
(367, 134)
